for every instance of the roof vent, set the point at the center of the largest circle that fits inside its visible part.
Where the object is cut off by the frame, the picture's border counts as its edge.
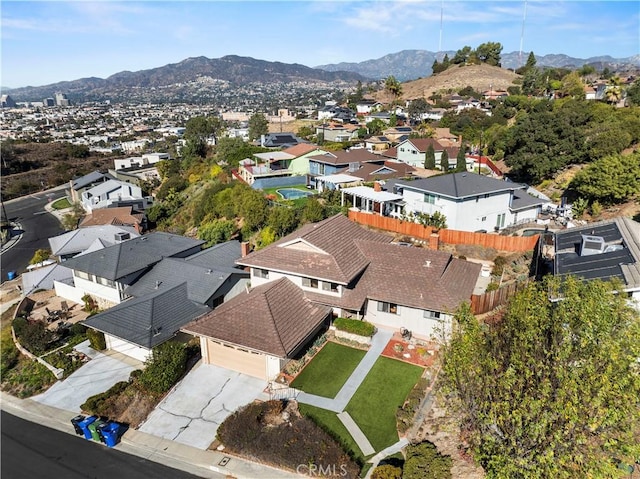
(122, 236)
(208, 271)
(158, 283)
(427, 264)
(592, 245)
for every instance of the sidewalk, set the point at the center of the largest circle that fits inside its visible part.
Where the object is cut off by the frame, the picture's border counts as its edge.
(202, 463)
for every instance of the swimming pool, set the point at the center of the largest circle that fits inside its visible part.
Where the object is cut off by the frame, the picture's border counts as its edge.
(293, 193)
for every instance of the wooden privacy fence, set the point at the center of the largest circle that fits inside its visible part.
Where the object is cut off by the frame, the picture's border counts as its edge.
(409, 228)
(483, 303)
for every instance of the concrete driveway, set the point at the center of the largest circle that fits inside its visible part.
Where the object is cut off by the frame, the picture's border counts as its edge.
(191, 413)
(94, 377)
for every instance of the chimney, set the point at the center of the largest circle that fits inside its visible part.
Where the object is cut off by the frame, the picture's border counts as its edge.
(244, 249)
(376, 186)
(434, 239)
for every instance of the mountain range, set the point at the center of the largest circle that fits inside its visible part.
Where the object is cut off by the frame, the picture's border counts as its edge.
(188, 79)
(412, 64)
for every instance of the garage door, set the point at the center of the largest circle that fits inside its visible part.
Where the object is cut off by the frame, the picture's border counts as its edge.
(237, 360)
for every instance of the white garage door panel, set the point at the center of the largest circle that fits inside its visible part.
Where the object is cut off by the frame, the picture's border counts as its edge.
(124, 347)
(237, 360)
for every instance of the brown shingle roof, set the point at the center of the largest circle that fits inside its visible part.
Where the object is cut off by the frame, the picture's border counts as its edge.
(121, 215)
(300, 149)
(415, 277)
(274, 318)
(323, 250)
(367, 171)
(423, 143)
(345, 157)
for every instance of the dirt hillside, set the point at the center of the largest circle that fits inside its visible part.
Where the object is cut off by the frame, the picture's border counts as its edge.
(480, 77)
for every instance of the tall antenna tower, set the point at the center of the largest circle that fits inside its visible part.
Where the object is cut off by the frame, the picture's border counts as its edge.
(440, 43)
(524, 18)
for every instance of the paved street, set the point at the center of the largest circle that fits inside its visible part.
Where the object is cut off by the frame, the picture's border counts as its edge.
(37, 226)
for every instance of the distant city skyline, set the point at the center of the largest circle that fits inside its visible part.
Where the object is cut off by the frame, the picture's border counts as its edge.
(49, 42)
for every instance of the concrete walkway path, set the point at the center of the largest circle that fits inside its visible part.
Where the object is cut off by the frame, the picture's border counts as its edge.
(337, 404)
(389, 451)
(356, 433)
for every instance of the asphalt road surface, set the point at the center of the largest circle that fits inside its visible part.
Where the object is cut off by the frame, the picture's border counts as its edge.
(38, 226)
(30, 451)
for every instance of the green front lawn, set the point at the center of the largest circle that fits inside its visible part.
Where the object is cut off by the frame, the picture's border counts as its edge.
(328, 370)
(61, 204)
(328, 420)
(373, 406)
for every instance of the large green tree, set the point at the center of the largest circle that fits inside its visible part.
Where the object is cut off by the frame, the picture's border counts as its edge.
(393, 86)
(444, 161)
(461, 160)
(489, 53)
(258, 126)
(430, 158)
(551, 388)
(612, 179)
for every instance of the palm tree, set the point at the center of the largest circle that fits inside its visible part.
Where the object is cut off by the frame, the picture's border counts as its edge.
(613, 92)
(393, 86)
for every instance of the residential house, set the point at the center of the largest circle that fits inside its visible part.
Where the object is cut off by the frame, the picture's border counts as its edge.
(413, 151)
(398, 133)
(365, 107)
(104, 274)
(332, 162)
(604, 250)
(299, 163)
(44, 278)
(117, 216)
(338, 133)
(111, 192)
(470, 202)
(279, 140)
(137, 175)
(369, 172)
(259, 330)
(146, 159)
(211, 275)
(97, 236)
(88, 181)
(377, 143)
(446, 138)
(136, 326)
(174, 292)
(360, 274)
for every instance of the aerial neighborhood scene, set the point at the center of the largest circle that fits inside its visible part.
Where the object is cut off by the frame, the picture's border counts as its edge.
(382, 240)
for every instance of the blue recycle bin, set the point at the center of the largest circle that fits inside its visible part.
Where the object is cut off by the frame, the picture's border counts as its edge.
(11, 275)
(84, 425)
(109, 431)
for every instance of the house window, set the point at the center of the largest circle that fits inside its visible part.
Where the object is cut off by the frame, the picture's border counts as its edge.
(387, 307)
(500, 220)
(81, 274)
(310, 282)
(477, 198)
(432, 315)
(431, 199)
(261, 273)
(414, 152)
(326, 286)
(105, 282)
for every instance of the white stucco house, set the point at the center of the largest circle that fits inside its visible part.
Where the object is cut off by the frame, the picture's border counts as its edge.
(108, 193)
(470, 202)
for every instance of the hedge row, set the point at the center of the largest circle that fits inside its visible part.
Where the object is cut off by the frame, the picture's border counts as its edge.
(355, 326)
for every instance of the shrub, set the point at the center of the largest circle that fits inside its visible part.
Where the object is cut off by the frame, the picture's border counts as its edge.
(354, 326)
(492, 287)
(386, 471)
(35, 337)
(498, 265)
(19, 325)
(9, 354)
(96, 340)
(98, 403)
(167, 364)
(259, 431)
(405, 414)
(77, 329)
(425, 462)
(90, 305)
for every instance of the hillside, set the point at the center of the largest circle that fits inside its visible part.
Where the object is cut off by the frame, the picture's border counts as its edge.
(185, 79)
(479, 77)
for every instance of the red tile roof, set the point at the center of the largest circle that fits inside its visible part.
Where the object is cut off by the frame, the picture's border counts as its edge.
(274, 318)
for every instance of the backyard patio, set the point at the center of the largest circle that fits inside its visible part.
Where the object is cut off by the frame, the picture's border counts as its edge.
(55, 311)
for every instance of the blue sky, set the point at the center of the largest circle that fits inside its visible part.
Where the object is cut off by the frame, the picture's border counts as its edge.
(45, 42)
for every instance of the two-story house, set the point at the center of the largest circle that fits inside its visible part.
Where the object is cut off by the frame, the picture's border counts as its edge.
(174, 292)
(413, 151)
(470, 202)
(332, 162)
(334, 265)
(79, 185)
(104, 274)
(111, 192)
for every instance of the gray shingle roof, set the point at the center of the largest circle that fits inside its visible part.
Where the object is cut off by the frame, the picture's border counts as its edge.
(223, 255)
(121, 259)
(323, 250)
(150, 320)
(460, 185)
(90, 178)
(523, 200)
(274, 318)
(202, 281)
(81, 238)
